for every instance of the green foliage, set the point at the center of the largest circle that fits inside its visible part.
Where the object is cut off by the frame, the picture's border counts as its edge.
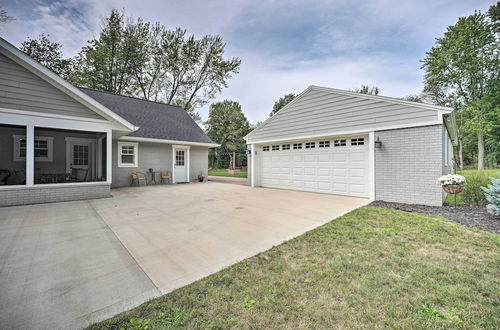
(492, 194)
(147, 60)
(227, 125)
(461, 69)
(473, 193)
(48, 53)
(139, 323)
(174, 318)
(287, 98)
(365, 89)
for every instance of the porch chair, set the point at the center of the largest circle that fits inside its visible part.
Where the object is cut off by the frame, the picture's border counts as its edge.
(137, 177)
(79, 174)
(165, 177)
(4, 176)
(21, 176)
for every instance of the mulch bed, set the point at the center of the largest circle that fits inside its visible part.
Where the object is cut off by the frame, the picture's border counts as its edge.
(466, 215)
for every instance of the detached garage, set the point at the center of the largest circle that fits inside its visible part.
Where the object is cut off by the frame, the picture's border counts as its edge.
(340, 142)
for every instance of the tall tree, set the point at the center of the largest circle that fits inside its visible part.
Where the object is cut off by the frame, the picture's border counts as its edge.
(228, 126)
(4, 16)
(48, 53)
(365, 89)
(287, 98)
(463, 64)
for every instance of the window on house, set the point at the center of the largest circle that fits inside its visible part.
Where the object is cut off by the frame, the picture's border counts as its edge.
(265, 148)
(127, 154)
(275, 148)
(42, 148)
(297, 146)
(339, 143)
(285, 147)
(180, 157)
(324, 144)
(310, 145)
(357, 142)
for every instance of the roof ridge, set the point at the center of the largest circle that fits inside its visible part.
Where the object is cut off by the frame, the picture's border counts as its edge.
(131, 97)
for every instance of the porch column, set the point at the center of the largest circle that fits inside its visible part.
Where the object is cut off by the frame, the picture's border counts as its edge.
(30, 154)
(109, 155)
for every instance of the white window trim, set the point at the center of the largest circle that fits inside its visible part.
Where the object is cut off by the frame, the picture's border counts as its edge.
(136, 154)
(17, 147)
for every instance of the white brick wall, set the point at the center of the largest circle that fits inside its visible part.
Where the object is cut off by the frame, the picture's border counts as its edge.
(408, 164)
(36, 195)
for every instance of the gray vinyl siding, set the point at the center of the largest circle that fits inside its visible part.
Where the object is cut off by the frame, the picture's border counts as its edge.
(327, 112)
(21, 89)
(159, 157)
(408, 165)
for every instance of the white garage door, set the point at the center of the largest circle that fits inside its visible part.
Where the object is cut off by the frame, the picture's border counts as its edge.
(335, 166)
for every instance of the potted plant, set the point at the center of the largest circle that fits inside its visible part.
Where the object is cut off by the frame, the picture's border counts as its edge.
(201, 177)
(151, 170)
(452, 183)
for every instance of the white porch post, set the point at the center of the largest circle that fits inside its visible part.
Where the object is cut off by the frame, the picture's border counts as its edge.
(371, 166)
(109, 155)
(30, 155)
(252, 165)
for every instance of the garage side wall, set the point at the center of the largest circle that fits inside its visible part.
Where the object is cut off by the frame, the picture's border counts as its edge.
(198, 162)
(408, 165)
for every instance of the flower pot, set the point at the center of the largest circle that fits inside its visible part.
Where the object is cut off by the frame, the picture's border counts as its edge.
(453, 189)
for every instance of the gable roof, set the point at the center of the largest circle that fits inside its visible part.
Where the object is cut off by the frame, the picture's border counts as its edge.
(155, 120)
(322, 111)
(27, 62)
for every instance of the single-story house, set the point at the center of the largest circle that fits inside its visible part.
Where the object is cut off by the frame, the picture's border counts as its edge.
(340, 142)
(59, 142)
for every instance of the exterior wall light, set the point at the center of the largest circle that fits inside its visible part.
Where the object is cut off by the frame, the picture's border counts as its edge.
(378, 143)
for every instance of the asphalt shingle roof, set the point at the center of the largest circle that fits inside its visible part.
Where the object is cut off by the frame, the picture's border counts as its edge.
(155, 120)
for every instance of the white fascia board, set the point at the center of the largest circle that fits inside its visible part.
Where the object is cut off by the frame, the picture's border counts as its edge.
(176, 142)
(342, 133)
(27, 62)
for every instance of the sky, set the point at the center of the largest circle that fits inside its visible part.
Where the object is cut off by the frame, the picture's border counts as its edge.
(285, 46)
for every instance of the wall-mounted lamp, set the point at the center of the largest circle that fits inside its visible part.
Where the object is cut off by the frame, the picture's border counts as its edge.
(378, 143)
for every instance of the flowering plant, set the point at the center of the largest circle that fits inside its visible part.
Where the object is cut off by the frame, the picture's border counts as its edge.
(451, 180)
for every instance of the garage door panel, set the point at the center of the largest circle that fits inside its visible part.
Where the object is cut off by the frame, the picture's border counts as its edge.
(335, 170)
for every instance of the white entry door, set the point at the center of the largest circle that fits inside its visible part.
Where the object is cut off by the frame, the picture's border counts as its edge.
(80, 153)
(332, 166)
(180, 165)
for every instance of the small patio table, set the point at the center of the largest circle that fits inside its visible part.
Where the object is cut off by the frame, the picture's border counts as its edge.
(152, 177)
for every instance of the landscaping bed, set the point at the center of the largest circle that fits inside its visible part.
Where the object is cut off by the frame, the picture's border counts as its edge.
(371, 268)
(466, 215)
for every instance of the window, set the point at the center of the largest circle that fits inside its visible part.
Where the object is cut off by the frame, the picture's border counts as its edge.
(81, 155)
(275, 148)
(324, 144)
(297, 146)
(339, 143)
(42, 148)
(310, 145)
(265, 148)
(180, 157)
(357, 142)
(127, 154)
(285, 147)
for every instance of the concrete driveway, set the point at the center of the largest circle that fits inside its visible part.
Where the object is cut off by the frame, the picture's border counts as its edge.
(67, 265)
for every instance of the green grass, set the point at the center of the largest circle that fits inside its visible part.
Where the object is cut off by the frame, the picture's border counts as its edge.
(223, 172)
(371, 268)
(471, 176)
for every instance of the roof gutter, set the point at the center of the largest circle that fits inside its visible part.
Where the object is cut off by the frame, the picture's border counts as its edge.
(188, 143)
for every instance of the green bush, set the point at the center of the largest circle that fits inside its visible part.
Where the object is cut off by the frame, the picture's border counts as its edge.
(473, 193)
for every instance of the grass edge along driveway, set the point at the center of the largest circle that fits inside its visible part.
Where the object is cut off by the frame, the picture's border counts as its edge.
(372, 267)
(224, 172)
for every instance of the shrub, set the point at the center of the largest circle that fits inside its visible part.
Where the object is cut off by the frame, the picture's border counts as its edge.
(473, 193)
(492, 194)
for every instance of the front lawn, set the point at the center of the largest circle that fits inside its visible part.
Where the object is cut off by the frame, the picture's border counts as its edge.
(224, 172)
(470, 176)
(371, 268)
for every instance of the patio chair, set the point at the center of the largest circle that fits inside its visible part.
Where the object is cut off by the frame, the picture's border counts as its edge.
(79, 174)
(165, 177)
(4, 176)
(21, 176)
(137, 177)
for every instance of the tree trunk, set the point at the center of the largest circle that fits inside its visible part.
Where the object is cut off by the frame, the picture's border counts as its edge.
(460, 154)
(480, 151)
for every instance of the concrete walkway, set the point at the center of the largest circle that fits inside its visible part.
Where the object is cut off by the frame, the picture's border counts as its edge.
(227, 179)
(67, 265)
